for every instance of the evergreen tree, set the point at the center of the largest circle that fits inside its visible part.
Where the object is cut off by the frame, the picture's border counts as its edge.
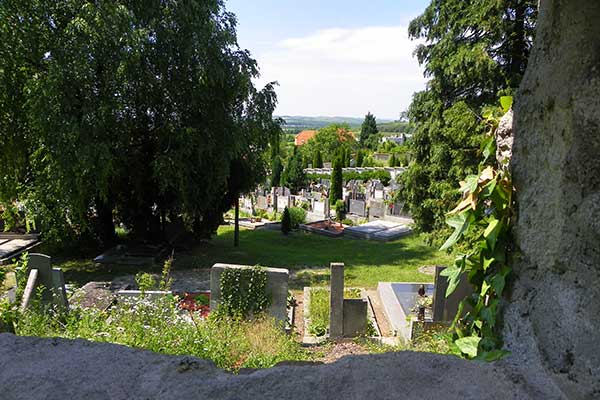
(474, 52)
(337, 181)
(317, 159)
(286, 222)
(360, 156)
(368, 130)
(293, 176)
(392, 161)
(276, 170)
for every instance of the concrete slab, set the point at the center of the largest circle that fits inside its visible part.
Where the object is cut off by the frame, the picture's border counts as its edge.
(13, 245)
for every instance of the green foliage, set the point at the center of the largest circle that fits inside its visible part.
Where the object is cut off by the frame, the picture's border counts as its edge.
(231, 343)
(131, 109)
(244, 292)
(330, 141)
(317, 160)
(482, 224)
(276, 170)
(318, 310)
(382, 175)
(340, 210)
(473, 51)
(337, 181)
(145, 281)
(297, 216)
(286, 221)
(293, 176)
(360, 156)
(368, 131)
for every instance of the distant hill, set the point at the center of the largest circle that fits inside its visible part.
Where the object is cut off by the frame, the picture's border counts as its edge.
(300, 122)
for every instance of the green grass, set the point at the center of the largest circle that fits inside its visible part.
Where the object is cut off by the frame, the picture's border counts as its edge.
(307, 254)
(367, 262)
(158, 326)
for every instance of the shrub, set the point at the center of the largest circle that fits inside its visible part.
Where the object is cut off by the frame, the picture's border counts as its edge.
(340, 210)
(145, 281)
(347, 221)
(297, 216)
(286, 222)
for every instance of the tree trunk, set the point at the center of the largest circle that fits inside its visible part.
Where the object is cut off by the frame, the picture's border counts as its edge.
(554, 315)
(236, 231)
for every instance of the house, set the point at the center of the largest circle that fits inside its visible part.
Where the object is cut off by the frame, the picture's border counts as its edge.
(303, 137)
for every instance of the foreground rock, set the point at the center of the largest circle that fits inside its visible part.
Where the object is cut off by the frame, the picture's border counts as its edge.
(554, 316)
(34, 368)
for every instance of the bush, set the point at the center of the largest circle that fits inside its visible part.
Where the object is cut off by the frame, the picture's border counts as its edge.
(297, 216)
(340, 210)
(286, 222)
(347, 221)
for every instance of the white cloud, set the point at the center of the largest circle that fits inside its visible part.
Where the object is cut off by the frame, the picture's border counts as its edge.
(344, 72)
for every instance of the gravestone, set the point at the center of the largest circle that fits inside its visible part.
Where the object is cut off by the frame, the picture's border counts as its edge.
(41, 274)
(358, 207)
(376, 209)
(355, 317)
(283, 202)
(277, 288)
(445, 308)
(261, 202)
(336, 311)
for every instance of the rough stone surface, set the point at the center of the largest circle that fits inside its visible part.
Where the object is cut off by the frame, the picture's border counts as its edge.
(56, 369)
(504, 139)
(554, 317)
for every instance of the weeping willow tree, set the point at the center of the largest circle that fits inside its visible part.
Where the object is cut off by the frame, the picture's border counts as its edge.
(138, 112)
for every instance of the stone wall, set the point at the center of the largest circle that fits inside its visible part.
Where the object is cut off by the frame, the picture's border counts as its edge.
(554, 318)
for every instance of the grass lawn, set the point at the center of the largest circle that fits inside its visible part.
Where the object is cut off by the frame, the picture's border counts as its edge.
(309, 255)
(367, 262)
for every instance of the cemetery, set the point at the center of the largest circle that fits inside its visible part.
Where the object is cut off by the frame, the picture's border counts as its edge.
(130, 136)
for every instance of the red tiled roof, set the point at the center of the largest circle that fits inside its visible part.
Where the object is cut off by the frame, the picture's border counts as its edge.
(304, 137)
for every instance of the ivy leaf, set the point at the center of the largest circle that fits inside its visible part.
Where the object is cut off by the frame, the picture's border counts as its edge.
(469, 184)
(506, 103)
(468, 345)
(493, 355)
(491, 233)
(498, 283)
(460, 223)
(453, 275)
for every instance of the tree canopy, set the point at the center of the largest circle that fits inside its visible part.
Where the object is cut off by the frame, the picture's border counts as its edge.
(474, 51)
(329, 140)
(143, 111)
(368, 131)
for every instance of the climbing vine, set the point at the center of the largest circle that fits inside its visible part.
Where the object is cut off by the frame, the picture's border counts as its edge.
(244, 291)
(482, 224)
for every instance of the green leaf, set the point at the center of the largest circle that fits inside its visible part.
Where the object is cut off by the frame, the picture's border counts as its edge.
(453, 275)
(493, 355)
(471, 182)
(468, 345)
(460, 223)
(498, 283)
(506, 103)
(491, 233)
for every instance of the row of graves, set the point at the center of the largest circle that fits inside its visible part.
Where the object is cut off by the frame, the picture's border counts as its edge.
(369, 200)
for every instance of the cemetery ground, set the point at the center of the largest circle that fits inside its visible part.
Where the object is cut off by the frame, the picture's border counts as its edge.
(256, 344)
(307, 255)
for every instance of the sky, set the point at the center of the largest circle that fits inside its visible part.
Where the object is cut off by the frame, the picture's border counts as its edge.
(333, 57)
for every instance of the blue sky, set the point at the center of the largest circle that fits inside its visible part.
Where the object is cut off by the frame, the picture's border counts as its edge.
(333, 57)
